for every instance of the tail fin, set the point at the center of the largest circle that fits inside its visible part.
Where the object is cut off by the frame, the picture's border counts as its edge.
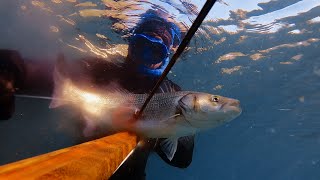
(60, 79)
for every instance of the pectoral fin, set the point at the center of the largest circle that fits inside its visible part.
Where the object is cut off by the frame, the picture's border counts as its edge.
(183, 156)
(169, 147)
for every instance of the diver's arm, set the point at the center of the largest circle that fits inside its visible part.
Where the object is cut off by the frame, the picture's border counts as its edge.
(38, 80)
(24, 77)
(11, 77)
(31, 77)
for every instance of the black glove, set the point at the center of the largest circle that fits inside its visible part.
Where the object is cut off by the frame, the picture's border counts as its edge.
(12, 73)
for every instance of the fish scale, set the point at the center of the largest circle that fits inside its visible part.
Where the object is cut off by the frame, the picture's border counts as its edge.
(161, 105)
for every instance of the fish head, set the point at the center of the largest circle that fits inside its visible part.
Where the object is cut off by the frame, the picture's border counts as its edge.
(202, 110)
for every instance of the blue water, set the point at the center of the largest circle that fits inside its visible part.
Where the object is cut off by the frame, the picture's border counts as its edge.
(276, 137)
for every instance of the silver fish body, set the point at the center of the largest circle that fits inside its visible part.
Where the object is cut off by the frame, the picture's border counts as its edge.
(168, 115)
(183, 113)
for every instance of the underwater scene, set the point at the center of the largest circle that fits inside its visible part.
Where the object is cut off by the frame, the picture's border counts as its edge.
(258, 59)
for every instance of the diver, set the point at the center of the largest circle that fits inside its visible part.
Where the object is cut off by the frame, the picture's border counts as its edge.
(148, 54)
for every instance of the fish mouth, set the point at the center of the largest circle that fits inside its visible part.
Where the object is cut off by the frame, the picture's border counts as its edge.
(231, 106)
(222, 106)
(235, 103)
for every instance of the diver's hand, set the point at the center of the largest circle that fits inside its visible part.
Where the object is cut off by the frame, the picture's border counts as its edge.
(7, 102)
(11, 78)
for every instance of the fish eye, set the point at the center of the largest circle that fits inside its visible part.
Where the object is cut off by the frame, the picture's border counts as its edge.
(215, 99)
